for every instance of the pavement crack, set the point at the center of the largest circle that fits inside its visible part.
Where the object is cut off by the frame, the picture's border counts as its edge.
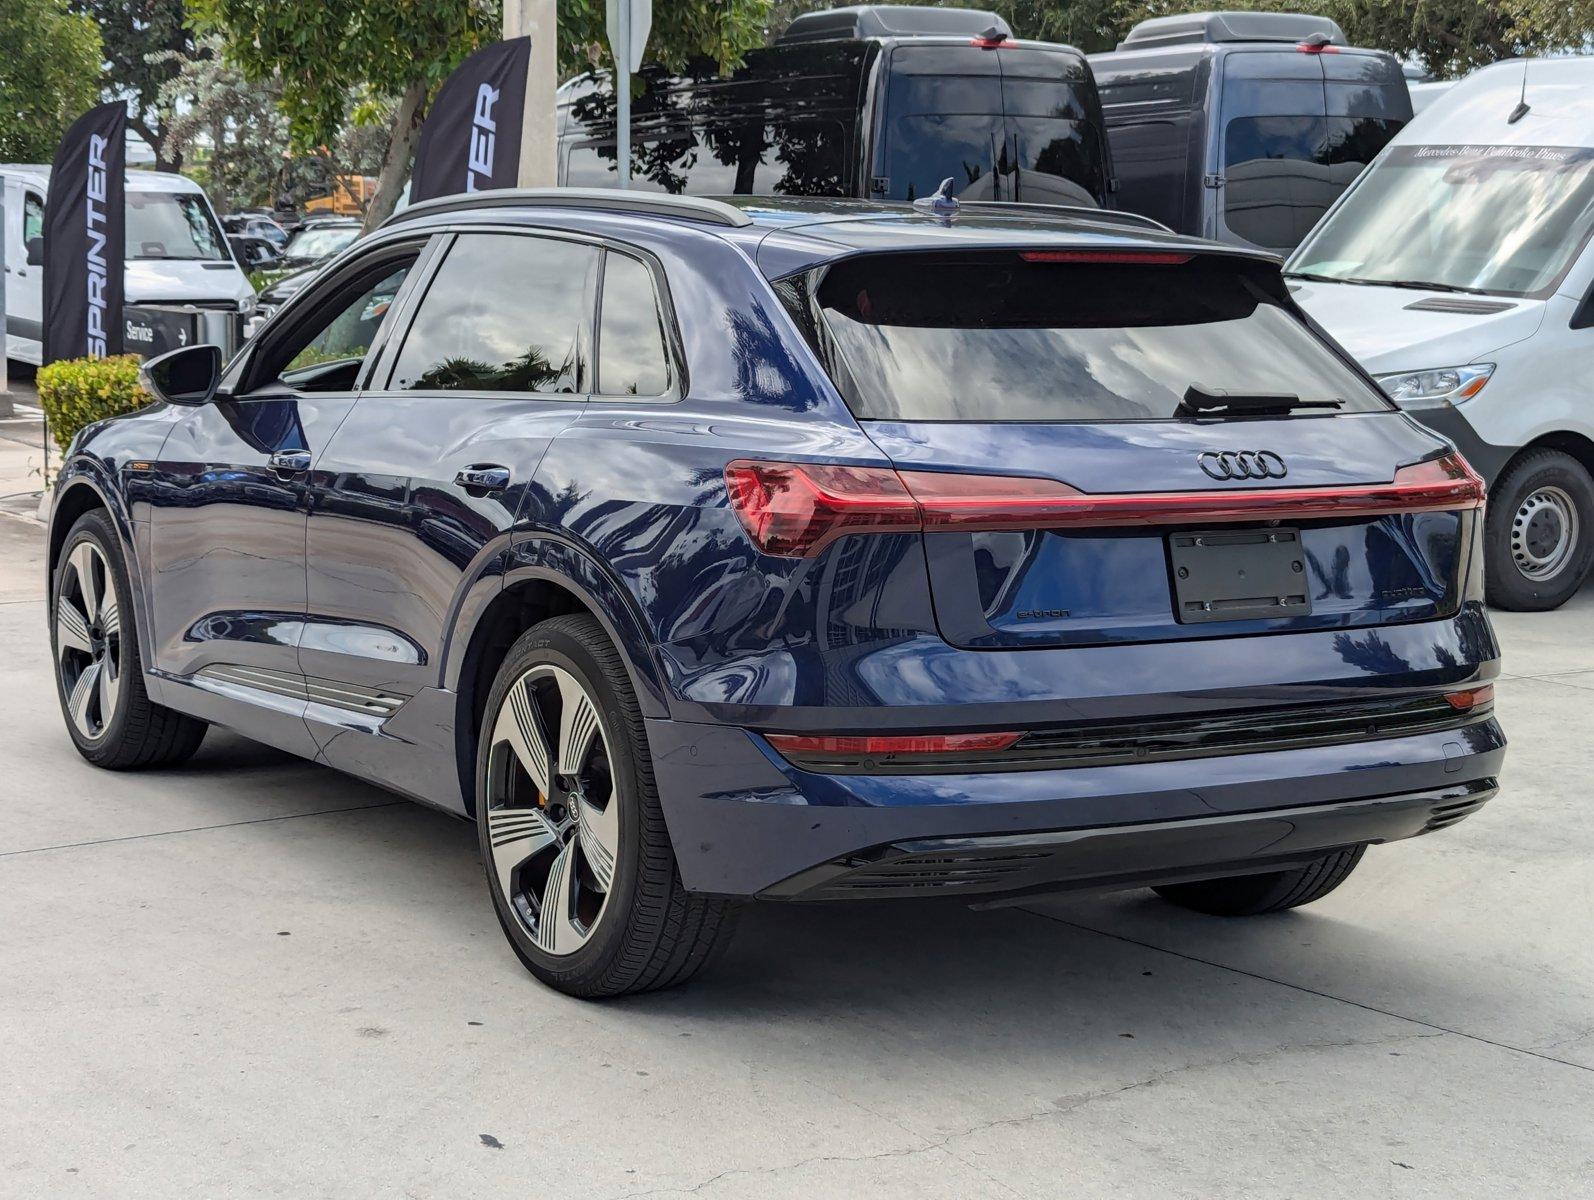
(1310, 991)
(1063, 1107)
(159, 833)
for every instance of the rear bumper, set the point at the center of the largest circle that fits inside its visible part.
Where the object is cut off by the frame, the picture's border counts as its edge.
(746, 823)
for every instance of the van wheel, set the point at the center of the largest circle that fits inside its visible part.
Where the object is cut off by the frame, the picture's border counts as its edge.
(1252, 895)
(578, 860)
(1539, 532)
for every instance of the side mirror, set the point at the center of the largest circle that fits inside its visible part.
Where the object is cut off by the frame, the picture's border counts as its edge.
(35, 252)
(188, 376)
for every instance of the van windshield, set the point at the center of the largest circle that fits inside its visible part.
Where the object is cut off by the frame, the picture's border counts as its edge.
(1505, 220)
(1009, 336)
(172, 225)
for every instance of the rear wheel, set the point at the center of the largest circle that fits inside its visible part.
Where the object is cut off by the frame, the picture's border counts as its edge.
(1252, 895)
(98, 675)
(578, 860)
(1539, 532)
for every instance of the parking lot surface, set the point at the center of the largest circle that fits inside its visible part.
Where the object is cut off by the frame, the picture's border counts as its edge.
(252, 976)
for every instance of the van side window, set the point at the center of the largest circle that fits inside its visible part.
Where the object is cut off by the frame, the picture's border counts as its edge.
(504, 313)
(32, 217)
(632, 359)
(801, 157)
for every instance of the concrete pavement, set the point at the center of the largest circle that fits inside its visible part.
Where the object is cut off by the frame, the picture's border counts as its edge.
(255, 977)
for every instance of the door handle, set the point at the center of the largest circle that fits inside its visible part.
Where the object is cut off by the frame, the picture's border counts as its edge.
(484, 477)
(290, 462)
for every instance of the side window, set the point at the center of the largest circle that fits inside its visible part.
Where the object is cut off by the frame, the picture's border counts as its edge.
(32, 217)
(504, 313)
(347, 335)
(632, 359)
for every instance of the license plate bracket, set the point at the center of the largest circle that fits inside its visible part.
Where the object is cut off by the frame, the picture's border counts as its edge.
(1238, 575)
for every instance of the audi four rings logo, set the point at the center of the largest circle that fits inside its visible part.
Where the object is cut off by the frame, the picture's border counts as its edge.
(1242, 464)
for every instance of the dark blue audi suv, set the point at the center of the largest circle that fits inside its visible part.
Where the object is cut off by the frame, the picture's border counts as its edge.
(796, 550)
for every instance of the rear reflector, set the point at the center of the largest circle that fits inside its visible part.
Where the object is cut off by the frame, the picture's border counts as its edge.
(796, 509)
(919, 743)
(1144, 257)
(1471, 698)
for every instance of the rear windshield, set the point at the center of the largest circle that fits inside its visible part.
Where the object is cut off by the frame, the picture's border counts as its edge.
(1000, 337)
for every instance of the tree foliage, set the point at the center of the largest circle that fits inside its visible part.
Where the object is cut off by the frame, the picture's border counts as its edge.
(146, 43)
(49, 76)
(1448, 37)
(398, 51)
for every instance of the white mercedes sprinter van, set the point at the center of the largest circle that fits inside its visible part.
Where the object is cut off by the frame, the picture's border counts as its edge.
(1458, 269)
(182, 283)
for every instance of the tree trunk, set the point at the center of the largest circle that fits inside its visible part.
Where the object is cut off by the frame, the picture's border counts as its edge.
(400, 149)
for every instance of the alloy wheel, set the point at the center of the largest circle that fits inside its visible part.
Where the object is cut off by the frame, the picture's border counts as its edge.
(88, 640)
(553, 808)
(1544, 533)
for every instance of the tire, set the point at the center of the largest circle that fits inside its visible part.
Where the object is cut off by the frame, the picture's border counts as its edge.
(99, 675)
(1539, 532)
(1252, 895)
(564, 683)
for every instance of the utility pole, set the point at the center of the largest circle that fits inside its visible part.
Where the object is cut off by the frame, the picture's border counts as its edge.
(538, 20)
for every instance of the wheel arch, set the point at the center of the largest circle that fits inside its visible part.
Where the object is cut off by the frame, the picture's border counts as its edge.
(531, 593)
(1577, 445)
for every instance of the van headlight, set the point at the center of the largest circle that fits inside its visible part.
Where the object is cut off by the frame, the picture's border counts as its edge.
(1437, 388)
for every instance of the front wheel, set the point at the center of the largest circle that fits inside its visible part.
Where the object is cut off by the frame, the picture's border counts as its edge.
(1539, 533)
(98, 674)
(578, 860)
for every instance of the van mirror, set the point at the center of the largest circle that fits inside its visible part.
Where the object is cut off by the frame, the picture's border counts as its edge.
(188, 376)
(35, 252)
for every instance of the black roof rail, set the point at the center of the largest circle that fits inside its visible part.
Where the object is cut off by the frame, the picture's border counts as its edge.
(1111, 215)
(653, 204)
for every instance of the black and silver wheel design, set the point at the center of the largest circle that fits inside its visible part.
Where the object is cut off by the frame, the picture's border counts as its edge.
(1537, 548)
(577, 856)
(98, 672)
(88, 640)
(553, 813)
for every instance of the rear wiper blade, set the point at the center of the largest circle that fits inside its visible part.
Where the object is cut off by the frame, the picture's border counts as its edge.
(1198, 403)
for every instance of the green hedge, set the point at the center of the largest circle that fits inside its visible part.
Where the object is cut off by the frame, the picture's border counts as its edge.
(75, 392)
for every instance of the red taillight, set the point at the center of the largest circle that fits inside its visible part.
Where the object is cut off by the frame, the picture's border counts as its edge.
(831, 746)
(1144, 257)
(796, 509)
(1313, 48)
(1471, 698)
(989, 43)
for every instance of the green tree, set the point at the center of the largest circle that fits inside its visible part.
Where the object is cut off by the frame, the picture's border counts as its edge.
(49, 76)
(146, 43)
(1448, 37)
(398, 51)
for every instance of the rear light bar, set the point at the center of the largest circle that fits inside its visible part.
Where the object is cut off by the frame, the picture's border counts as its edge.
(797, 509)
(1471, 698)
(1164, 258)
(828, 745)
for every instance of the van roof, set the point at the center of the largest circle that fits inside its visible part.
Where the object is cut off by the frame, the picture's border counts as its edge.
(891, 21)
(1559, 93)
(137, 181)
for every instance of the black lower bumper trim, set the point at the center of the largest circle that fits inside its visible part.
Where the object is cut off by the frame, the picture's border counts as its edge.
(1132, 855)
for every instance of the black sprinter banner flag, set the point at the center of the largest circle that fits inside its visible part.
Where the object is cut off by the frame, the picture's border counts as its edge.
(471, 139)
(85, 237)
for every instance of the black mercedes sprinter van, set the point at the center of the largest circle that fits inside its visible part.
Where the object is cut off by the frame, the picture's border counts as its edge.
(1244, 126)
(880, 102)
